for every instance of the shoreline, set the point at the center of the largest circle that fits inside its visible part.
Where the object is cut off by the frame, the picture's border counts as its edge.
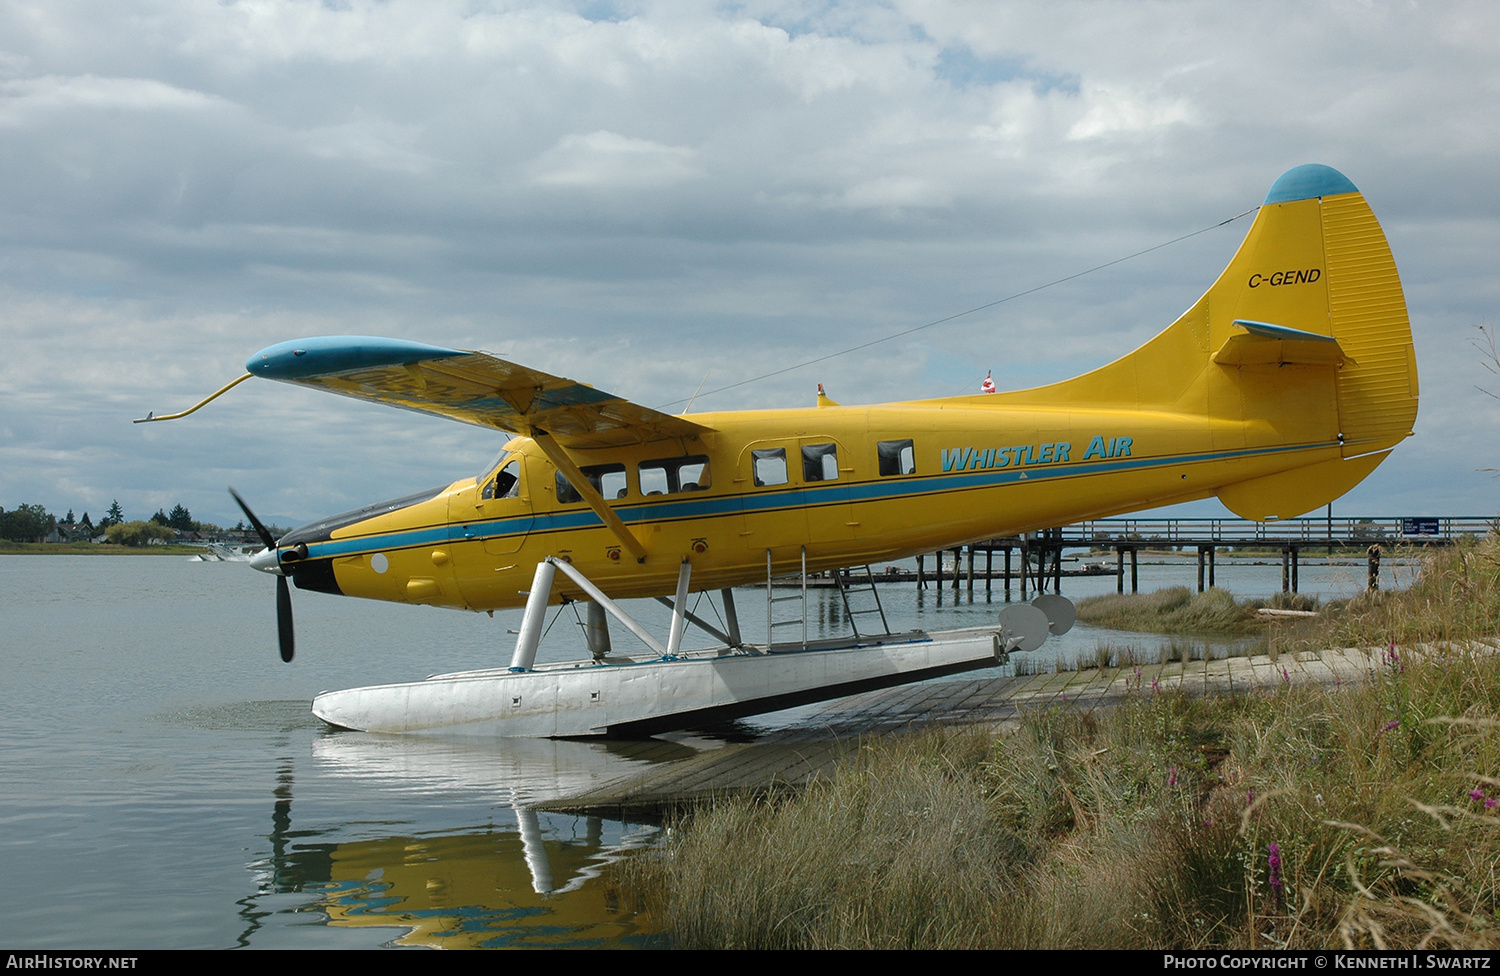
(95, 549)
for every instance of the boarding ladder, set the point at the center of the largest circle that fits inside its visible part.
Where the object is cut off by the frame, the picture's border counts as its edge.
(799, 580)
(856, 589)
(859, 583)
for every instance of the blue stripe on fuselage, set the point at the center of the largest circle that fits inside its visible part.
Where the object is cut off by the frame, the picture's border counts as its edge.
(833, 493)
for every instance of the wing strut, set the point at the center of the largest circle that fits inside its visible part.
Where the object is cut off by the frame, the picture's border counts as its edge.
(590, 494)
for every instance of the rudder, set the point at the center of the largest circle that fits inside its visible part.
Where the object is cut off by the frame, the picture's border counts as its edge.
(1316, 266)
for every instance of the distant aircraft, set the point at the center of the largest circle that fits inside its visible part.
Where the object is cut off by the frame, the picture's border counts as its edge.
(1281, 388)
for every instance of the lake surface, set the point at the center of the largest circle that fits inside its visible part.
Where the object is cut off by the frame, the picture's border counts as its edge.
(165, 785)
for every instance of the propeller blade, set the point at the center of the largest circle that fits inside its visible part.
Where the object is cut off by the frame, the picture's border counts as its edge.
(284, 619)
(260, 530)
(285, 635)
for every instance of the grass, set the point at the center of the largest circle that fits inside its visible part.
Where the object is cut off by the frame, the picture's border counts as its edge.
(1177, 610)
(8, 548)
(1151, 825)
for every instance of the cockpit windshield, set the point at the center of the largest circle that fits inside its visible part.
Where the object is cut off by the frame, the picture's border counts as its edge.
(485, 471)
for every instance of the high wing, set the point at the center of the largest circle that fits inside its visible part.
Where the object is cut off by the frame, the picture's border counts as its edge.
(472, 387)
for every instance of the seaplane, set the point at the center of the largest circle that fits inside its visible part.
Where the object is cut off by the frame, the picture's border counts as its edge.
(1282, 387)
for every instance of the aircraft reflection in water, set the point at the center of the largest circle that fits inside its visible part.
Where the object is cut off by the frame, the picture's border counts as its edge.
(1280, 389)
(535, 882)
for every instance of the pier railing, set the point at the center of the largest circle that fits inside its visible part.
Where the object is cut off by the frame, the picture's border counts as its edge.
(1420, 530)
(1041, 553)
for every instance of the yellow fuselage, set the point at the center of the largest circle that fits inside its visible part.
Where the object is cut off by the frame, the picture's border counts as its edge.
(980, 471)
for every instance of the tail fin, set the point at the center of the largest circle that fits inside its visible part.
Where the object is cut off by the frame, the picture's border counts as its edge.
(1316, 261)
(1303, 341)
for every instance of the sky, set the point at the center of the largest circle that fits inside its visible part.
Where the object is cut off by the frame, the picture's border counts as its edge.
(659, 198)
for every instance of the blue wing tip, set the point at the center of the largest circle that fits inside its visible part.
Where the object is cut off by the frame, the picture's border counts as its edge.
(1308, 181)
(324, 355)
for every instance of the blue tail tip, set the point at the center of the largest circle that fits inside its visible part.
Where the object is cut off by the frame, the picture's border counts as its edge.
(1308, 181)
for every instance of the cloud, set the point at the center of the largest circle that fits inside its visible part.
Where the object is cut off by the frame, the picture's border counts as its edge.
(608, 160)
(656, 190)
(24, 99)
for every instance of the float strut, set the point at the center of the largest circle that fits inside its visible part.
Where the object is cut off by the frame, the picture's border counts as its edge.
(596, 631)
(613, 608)
(731, 618)
(679, 609)
(535, 616)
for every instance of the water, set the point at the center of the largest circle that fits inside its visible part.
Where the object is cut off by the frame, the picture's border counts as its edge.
(166, 787)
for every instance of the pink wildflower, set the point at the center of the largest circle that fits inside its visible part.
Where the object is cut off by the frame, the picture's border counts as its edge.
(1273, 865)
(1393, 723)
(1172, 776)
(1477, 795)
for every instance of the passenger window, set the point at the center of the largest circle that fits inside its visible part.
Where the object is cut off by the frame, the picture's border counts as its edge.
(693, 475)
(653, 480)
(608, 480)
(668, 476)
(820, 462)
(770, 466)
(896, 457)
(612, 482)
(506, 483)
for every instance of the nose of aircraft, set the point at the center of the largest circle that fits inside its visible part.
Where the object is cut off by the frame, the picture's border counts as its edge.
(266, 562)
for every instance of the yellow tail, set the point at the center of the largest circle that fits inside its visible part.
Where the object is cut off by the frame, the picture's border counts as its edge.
(1303, 340)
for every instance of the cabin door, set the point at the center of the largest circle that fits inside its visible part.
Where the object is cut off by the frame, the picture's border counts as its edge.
(488, 528)
(499, 515)
(797, 495)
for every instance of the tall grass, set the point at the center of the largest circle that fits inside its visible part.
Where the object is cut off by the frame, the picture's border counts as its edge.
(1454, 597)
(1175, 610)
(1304, 817)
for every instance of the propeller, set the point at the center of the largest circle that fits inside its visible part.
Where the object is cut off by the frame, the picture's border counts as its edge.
(284, 632)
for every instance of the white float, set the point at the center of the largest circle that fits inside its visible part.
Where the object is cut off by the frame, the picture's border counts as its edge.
(636, 697)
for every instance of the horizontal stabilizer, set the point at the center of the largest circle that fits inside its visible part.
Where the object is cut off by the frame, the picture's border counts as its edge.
(1264, 344)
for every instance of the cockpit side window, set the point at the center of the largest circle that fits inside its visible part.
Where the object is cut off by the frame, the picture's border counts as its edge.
(506, 483)
(668, 476)
(608, 480)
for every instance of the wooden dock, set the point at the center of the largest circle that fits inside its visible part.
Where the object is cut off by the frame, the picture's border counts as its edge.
(1041, 553)
(820, 739)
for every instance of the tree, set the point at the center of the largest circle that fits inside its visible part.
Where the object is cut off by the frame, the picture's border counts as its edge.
(114, 516)
(85, 523)
(137, 533)
(160, 518)
(180, 519)
(26, 523)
